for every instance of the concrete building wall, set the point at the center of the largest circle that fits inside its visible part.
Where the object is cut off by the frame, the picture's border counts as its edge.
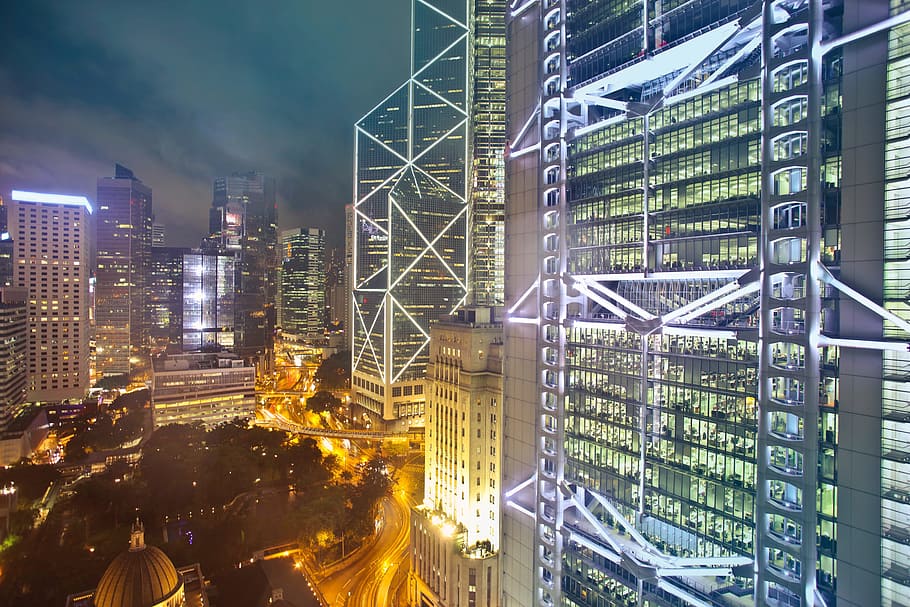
(520, 383)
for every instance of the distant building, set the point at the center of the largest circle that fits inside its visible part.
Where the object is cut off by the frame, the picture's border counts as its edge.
(158, 235)
(6, 248)
(52, 262)
(144, 576)
(455, 531)
(191, 298)
(22, 434)
(243, 219)
(209, 388)
(349, 221)
(13, 350)
(303, 281)
(336, 294)
(208, 294)
(123, 242)
(165, 297)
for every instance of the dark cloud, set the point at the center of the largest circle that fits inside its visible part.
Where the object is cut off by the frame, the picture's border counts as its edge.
(182, 92)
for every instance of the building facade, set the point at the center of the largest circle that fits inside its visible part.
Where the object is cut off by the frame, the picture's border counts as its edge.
(50, 233)
(165, 296)
(455, 531)
(303, 282)
(706, 323)
(13, 350)
(348, 275)
(208, 388)
(424, 156)
(158, 235)
(243, 219)
(123, 249)
(6, 248)
(336, 292)
(208, 300)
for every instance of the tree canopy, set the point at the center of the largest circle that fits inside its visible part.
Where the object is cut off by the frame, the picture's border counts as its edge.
(335, 372)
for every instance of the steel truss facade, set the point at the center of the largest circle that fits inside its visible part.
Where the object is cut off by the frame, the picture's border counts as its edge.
(692, 313)
(428, 160)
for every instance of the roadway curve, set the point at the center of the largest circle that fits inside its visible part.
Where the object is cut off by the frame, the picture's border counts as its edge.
(375, 576)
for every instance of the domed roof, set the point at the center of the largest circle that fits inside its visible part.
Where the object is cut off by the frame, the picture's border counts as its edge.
(141, 577)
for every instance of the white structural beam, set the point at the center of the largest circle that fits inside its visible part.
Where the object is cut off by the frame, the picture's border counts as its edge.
(603, 301)
(598, 526)
(729, 30)
(702, 303)
(641, 312)
(865, 344)
(682, 594)
(713, 305)
(861, 33)
(589, 99)
(828, 277)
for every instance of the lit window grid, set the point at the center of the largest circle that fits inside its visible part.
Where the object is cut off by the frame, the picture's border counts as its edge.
(374, 294)
(51, 261)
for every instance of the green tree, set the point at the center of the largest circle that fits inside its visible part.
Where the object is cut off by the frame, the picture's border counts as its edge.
(335, 372)
(322, 401)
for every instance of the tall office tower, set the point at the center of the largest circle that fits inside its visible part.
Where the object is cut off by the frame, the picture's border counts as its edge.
(166, 296)
(243, 219)
(455, 531)
(487, 215)
(123, 248)
(50, 232)
(424, 156)
(706, 400)
(303, 281)
(335, 293)
(13, 350)
(348, 274)
(6, 248)
(158, 235)
(209, 300)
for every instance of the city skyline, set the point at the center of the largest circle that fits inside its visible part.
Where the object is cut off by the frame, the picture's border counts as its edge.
(214, 115)
(622, 317)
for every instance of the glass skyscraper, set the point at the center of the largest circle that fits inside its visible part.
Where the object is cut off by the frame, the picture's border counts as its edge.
(123, 248)
(427, 159)
(302, 284)
(705, 391)
(166, 296)
(209, 308)
(243, 219)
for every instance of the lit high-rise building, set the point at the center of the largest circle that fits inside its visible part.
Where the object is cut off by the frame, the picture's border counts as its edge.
(705, 388)
(6, 248)
(13, 350)
(302, 310)
(348, 274)
(191, 298)
(51, 260)
(158, 235)
(427, 159)
(166, 296)
(243, 219)
(123, 248)
(455, 531)
(209, 300)
(336, 294)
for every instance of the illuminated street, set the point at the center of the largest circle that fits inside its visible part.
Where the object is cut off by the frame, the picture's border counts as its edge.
(376, 575)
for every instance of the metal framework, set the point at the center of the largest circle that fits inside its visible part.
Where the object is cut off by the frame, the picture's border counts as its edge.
(787, 285)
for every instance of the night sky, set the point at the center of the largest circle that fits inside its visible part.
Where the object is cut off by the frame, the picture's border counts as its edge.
(185, 91)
